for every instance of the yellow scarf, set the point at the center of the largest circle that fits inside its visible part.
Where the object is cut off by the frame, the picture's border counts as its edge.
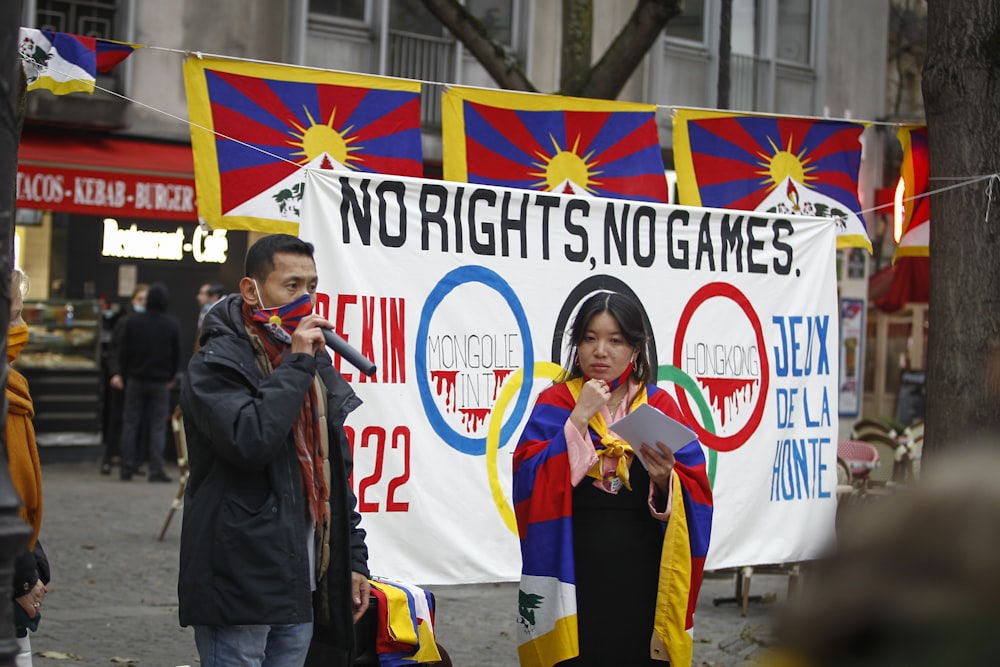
(614, 451)
(22, 451)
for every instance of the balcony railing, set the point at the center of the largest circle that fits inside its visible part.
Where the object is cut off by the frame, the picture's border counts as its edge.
(423, 58)
(747, 82)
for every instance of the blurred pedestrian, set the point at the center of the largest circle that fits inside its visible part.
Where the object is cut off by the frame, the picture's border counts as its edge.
(272, 557)
(914, 580)
(208, 295)
(116, 383)
(31, 567)
(149, 358)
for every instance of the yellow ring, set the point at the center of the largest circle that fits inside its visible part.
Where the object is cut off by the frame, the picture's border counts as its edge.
(543, 369)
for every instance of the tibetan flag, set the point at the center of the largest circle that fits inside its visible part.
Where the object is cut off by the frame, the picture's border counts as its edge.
(65, 63)
(910, 270)
(552, 143)
(915, 173)
(542, 493)
(255, 127)
(791, 166)
(109, 53)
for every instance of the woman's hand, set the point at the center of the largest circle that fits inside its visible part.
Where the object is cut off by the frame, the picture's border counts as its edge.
(33, 599)
(594, 395)
(659, 464)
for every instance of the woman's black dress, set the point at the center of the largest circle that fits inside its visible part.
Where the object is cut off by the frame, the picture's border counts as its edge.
(616, 548)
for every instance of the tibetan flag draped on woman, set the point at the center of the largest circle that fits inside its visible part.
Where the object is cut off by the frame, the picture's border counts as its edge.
(65, 63)
(255, 127)
(551, 143)
(791, 166)
(542, 497)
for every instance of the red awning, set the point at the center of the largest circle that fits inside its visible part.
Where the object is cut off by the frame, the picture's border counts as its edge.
(106, 176)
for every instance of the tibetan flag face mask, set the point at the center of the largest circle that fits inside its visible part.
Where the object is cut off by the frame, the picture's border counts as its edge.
(282, 321)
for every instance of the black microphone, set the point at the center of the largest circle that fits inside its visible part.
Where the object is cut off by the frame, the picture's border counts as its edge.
(350, 355)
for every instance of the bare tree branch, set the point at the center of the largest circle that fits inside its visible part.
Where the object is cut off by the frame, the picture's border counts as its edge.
(494, 57)
(606, 79)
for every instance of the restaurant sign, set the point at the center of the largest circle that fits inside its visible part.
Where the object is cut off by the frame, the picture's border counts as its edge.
(204, 246)
(103, 193)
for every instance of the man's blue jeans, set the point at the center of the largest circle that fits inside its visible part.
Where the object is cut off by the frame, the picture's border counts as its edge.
(253, 645)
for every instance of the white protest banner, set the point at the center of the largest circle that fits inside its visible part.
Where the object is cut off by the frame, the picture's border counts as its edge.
(461, 293)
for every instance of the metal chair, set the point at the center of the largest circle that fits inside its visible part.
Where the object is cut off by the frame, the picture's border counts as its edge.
(860, 457)
(890, 455)
(913, 438)
(843, 473)
(177, 423)
(869, 425)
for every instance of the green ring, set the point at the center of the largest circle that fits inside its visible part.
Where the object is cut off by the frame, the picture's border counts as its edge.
(685, 381)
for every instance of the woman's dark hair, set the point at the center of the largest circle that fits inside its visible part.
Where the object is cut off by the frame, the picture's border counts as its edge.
(628, 314)
(260, 258)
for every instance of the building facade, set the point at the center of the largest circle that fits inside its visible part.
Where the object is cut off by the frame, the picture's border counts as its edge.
(798, 57)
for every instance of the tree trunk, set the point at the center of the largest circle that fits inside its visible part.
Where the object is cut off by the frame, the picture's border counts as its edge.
(491, 54)
(725, 51)
(961, 89)
(577, 40)
(606, 79)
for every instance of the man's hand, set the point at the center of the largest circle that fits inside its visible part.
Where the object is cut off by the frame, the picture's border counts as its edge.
(360, 593)
(116, 381)
(308, 336)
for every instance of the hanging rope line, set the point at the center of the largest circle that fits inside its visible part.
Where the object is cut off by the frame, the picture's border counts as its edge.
(962, 181)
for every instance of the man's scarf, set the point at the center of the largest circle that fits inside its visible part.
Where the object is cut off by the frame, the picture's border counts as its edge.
(305, 429)
(543, 504)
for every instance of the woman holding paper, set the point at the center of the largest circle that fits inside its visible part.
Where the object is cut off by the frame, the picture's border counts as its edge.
(612, 551)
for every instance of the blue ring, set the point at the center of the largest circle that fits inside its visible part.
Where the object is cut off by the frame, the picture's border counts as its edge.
(451, 280)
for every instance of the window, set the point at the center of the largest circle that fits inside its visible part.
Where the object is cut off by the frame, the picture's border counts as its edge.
(91, 18)
(690, 23)
(794, 27)
(344, 9)
(745, 32)
(496, 15)
(412, 16)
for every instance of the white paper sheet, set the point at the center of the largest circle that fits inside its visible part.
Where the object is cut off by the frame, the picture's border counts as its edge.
(648, 425)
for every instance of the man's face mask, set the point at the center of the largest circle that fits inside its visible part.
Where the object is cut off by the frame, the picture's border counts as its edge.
(282, 321)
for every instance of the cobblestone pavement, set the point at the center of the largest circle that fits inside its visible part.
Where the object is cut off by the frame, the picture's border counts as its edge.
(113, 598)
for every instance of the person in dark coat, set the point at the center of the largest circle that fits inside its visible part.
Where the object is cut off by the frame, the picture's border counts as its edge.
(116, 383)
(272, 553)
(149, 357)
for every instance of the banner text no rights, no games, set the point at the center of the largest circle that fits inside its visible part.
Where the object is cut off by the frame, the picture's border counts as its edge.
(488, 221)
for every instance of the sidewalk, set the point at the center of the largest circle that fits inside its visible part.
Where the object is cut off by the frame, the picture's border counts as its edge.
(113, 598)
